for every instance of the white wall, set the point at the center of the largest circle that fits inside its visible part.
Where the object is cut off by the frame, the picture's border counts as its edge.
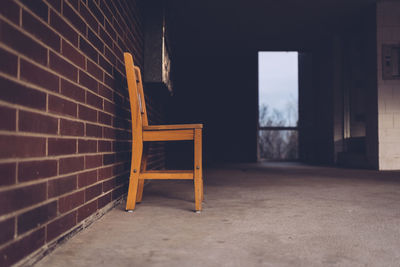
(388, 32)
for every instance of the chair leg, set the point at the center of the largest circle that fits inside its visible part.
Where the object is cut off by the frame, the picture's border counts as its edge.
(139, 195)
(202, 189)
(143, 166)
(198, 170)
(134, 180)
(132, 191)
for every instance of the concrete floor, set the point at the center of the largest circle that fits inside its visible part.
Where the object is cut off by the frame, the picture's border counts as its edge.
(254, 215)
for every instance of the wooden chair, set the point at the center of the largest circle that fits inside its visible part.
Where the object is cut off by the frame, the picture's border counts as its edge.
(143, 132)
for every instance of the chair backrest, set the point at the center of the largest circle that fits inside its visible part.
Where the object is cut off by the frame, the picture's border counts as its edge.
(136, 96)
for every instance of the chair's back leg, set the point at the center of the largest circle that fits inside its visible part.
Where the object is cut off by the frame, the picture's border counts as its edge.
(134, 177)
(198, 169)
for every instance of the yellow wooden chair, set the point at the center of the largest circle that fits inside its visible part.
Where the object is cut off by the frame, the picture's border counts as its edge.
(143, 132)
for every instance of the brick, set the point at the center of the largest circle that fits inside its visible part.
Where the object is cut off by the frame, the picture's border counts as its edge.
(61, 106)
(8, 62)
(8, 119)
(109, 107)
(8, 174)
(74, 128)
(105, 37)
(12, 92)
(10, 10)
(109, 81)
(120, 168)
(110, 30)
(109, 184)
(121, 123)
(63, 67)
(106, 10)
(12, 200)
(71, 201)
(93, 192)
(60, 186)
(122, 156)
(117, 193)
(72, 164)
(87, 16)
(96, 11)
(87, 210)
(94, 70)
(19, 249)
(122, 146)
(88, 49)
(33, 170)
(111, 57)
(56, 4)
(119, 53)
(123, 135)
(23, 44)
(87, 178)
(60, 226)
(36, 217)
(88, 81)
(118, 99)
(22, 146)
(104, 200)
(72, 91)
(105, 64)
(74, 18)
(108, 159)
(109, 133)
(93, 161)
(87, 146)
(104, 118)
(87, 114)
(37, 123)
(61, 146)
(63, 28)
(37, 7)
(104, 91)
(93, 130)
(72, 54)
(7, 230)
(40, 30)
(38, 76)
(104, 146)
(74, 3)
(93, 100)
(95, 41)
(105, 173)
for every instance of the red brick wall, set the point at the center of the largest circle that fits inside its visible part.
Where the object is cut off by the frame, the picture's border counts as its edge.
(64, 129)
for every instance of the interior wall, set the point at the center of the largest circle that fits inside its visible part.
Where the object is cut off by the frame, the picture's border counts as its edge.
(316, 105)
(388, 30)
(220, 91)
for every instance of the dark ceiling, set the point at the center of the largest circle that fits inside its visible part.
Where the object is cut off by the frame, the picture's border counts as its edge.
(215, 25)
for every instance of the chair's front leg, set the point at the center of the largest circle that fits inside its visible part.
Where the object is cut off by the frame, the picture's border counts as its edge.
(198, 169)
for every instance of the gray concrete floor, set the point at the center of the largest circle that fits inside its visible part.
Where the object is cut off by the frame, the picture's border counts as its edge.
(254, 215)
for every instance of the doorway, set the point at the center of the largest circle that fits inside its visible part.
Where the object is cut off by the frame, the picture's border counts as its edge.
(278, 102)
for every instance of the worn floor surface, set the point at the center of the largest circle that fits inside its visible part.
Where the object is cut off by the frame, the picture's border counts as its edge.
(254, 215)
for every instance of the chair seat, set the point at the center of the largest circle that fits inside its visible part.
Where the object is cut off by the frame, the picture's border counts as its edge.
(167, 174)
(172, 127)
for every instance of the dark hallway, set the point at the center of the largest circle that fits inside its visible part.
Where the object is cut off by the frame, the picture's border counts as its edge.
(67, 135)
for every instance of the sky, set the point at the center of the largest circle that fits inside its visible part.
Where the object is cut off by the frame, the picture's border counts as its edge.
(278, 80)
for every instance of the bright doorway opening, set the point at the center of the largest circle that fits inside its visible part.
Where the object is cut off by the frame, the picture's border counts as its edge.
(278, 87)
